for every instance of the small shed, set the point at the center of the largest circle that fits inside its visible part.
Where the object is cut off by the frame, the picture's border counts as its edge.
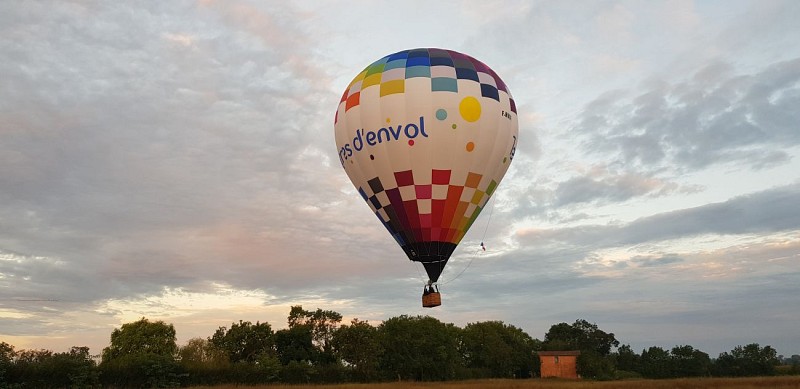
(560, 364)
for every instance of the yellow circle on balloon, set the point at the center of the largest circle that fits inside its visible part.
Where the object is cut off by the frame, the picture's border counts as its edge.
(470, 109)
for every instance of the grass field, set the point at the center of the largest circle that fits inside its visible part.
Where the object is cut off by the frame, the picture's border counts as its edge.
(780, 382)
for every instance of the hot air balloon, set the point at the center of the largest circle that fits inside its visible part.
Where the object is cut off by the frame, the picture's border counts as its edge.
(426, 135)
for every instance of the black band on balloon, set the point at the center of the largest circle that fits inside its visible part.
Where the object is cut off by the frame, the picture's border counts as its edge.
(432, 255)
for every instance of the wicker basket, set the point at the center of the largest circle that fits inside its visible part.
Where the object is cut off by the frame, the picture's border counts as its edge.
(430, 300)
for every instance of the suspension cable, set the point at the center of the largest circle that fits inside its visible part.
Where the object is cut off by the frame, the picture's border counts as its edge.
(477, 252)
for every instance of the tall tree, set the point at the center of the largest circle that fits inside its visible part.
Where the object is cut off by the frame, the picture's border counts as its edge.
(46, 369)
(74, 368)
(627, 359)
(689, 362)
(244, 341)
(295, 344)
(501, 350)
(419, 348)
(750, 360)
(6, 363)
(656, 363)
(199, 353)
(581, 335)
(594, 344)
(142, 337)
(141, 354)
(358, 345)
(323, 324)
(33, 367)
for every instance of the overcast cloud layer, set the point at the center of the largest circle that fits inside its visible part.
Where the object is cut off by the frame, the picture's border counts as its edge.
(175, 160)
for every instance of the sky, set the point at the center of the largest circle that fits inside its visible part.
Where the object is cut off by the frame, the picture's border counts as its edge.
(176, 161)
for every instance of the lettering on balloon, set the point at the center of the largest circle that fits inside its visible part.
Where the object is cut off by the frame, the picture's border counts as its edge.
(365, 139)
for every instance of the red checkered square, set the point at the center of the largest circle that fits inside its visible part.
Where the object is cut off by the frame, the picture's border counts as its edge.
(404, 178)
(441, 177)
(423, 191)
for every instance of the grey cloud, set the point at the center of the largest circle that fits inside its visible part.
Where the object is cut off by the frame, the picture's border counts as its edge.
(716, 117)
(135, 143)
(27, 277)
(653, 261)
(610, 187)
(769, 211)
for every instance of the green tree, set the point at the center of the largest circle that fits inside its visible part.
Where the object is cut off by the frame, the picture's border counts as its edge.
(199, 352)
(656, 363)
(322, 323)
(497, 349)
(141, 370)
(77, 368)
(295, 344)
(298, 372)
(358, 345)
(581, 335)
(33, 367)
(689, 362)
(627, 359)
(593, 365)
(750, 360)
(793, 361)
(244, 341)
(419, 348)
(594, 344)
(7, 355)
(142, 337)
(45, 369)
(204, 362)
(141, 354)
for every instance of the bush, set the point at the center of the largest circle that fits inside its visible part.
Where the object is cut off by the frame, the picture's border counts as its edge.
(627, 375)
(142, 371)
(787, 370)
(595, 366)
(44, 369)
(298, 372)
(331, 373)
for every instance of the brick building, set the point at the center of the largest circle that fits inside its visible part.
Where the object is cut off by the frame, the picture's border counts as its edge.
(560, 364)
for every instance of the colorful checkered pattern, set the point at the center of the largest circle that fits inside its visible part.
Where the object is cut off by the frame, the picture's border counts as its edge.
(426, 135)
(443, 67)
(438, 212)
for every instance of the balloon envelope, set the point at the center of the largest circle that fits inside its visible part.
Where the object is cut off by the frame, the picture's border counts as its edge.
(426, 135)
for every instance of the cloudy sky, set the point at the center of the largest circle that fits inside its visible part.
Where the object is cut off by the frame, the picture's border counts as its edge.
(176, 161)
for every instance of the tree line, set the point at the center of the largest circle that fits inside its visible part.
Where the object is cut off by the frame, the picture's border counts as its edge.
(317, 348)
